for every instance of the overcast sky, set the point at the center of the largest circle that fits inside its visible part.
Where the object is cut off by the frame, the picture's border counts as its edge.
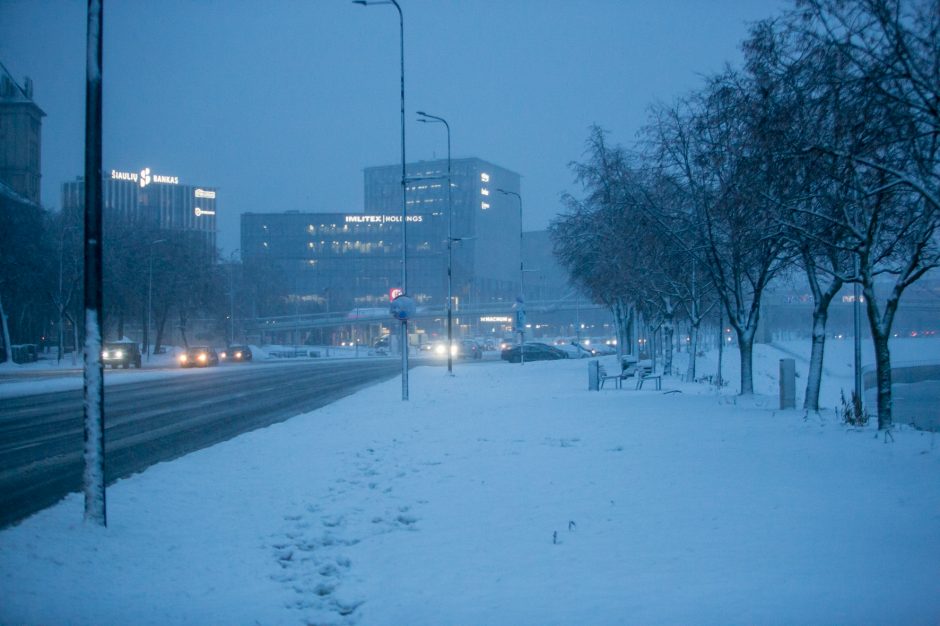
(281, 104)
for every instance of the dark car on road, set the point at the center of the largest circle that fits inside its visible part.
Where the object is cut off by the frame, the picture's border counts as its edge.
(201, 356)
(236, 354)
(120, 354)
(468, 349)
(533, 352)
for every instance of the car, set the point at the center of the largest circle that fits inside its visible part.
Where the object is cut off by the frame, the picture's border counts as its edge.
(468, 349)
(533, 352)
(120, 354)
(236, 354)
(575, 350)
(200, 356)
(507, 342)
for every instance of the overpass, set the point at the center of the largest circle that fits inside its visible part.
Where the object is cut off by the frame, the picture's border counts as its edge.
(365, 317)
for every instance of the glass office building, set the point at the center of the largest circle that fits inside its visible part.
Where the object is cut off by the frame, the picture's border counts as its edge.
(152, 200)
(341, 261)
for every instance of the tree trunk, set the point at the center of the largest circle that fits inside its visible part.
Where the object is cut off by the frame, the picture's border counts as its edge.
(692, 350)
(161, 324)
(668, 331)
(746, 348)
(883, 374)
(880, 326)
(814, 378)
(120, 328)
(75, 340)
(7, 348)
(721, 349)
(61, 338)
(183, 330)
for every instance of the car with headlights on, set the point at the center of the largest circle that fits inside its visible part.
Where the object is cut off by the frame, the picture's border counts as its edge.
(236, 354)
(201, 356)
(120, 354)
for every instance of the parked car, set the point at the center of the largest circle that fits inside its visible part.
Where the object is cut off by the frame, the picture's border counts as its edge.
(120, 354)
(575, 350)
(236, 354)
(201, 356)
(533, 352)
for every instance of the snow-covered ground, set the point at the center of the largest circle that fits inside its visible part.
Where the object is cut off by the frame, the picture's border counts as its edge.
(507, 495)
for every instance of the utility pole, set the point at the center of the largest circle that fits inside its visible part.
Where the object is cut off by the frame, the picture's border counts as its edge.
(93, 477)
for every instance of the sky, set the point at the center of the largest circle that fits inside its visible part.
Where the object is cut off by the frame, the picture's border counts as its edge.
(509, 495)
(282, 104)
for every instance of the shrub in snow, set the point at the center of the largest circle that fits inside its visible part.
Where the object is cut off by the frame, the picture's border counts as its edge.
(852, 412)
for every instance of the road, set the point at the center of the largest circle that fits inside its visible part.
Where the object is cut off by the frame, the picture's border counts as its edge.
(157, 420)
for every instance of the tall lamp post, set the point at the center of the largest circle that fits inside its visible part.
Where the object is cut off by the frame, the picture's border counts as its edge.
(428, 118)
(231, 296)
(150, 297)
(521, 313)
(404, 206)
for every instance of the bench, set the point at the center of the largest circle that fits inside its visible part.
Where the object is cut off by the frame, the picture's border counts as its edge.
(644, 372)
(603, 377)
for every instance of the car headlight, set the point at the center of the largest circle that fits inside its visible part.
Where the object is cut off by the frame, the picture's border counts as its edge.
(440, 349)
(202, 357)
(454, 350)
(118, 354)
(223, 355)
(183, 358)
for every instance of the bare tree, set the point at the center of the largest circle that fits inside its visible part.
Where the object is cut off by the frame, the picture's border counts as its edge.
(712, 148)
(882, 99)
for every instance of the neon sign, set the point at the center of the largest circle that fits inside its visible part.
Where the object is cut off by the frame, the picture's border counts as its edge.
(381, 219)
(144, 177)
(198, 211)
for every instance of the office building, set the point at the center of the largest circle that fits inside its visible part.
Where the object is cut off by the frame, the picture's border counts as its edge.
(341, 261)
(152, 200)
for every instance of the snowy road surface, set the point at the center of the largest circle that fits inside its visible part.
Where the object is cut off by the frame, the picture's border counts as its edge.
(156, 420)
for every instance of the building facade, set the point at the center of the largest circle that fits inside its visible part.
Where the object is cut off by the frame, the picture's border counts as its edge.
(151, 200)
(342, 261)
(20, 137)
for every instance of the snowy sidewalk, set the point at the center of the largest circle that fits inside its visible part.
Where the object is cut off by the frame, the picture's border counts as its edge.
(505, 495)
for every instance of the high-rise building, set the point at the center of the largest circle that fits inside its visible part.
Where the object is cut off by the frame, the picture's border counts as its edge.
(152, 200)
(348, 260)
(20, 137)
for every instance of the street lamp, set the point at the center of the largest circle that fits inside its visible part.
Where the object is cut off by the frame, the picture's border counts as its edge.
(150, 297)
(428, 119)
(231, 295)
(404, 206)
(521, 313)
